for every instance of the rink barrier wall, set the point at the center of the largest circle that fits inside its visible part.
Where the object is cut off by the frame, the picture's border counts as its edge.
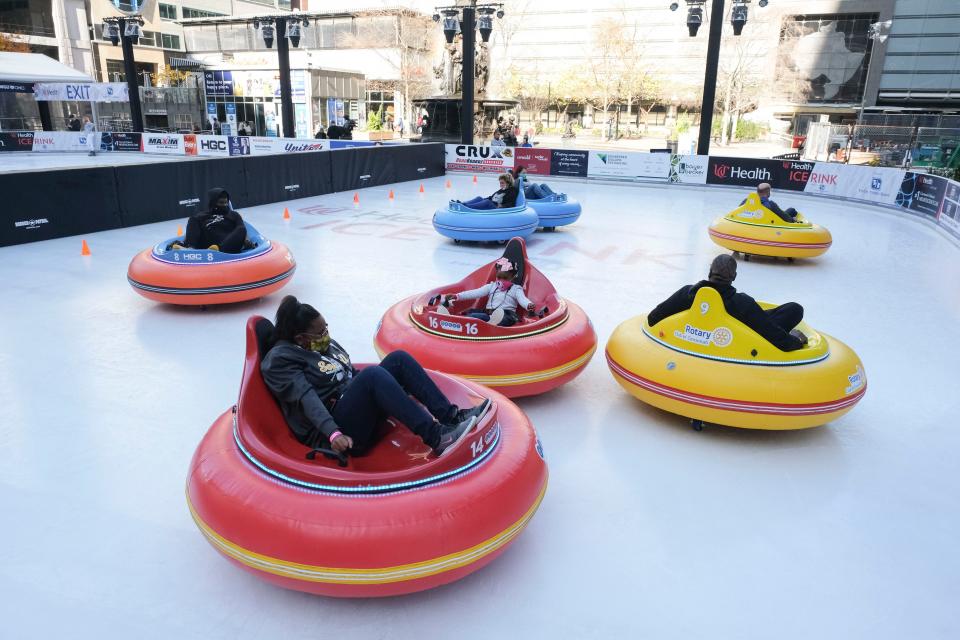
(932, 198)
(42, 205)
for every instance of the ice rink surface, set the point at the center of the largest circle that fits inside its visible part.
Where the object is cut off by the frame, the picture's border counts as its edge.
(648, 530)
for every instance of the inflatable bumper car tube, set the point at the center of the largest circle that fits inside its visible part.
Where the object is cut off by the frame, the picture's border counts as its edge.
(556, 210)
(535, 355)
(708, 366)
(460, 222)
(393, 521)
(752, 229)
(204, 276)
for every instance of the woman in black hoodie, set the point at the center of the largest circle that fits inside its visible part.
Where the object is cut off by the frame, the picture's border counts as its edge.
(220, 228)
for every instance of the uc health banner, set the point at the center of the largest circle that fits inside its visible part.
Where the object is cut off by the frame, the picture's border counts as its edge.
(82, 91)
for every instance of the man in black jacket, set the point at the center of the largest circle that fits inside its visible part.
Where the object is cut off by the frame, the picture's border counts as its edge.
(763, 190)
(220, 228)
(775, 325)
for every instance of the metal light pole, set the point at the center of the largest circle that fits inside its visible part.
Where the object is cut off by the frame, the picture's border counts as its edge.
(710, 78)
(468, 29)
(118, 35)
(286, 91)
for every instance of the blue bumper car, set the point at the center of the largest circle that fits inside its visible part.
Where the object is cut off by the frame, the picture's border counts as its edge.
(460, 222)
(555, 210)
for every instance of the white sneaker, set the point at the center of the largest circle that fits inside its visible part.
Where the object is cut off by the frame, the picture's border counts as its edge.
(496, 317)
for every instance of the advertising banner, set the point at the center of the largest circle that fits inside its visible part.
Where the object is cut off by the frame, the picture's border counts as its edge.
(628, 164)
(873, 184)
(229, 127)
(688, 169)
(16, 87)
(569, 163)
(65, 141)
(218, 83)
(297, 146)
(922, 192)
(239, 145)
(212, 146)
(261, 146)
(121, 141)
(950, 212)
(16, 141)
(536, 161)
(165, 143)
(744, 172)
(792, 175)
(190, 144)
(463, 157)
(83, 91)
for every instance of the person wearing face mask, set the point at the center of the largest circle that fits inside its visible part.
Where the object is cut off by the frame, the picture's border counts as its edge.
(324, 399)
(220, 228)
(504, 198)
(502, 295)
(776, 325)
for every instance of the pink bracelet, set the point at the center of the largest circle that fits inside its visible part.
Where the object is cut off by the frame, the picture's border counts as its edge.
(333, 436)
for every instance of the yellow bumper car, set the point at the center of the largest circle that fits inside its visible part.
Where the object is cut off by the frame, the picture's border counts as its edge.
(752, 229)
(706, 365)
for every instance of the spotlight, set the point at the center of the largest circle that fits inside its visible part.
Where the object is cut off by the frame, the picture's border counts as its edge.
(451, 27)
(763, 3)
(485, 25)
(293, 33)
(694, 20)
(738, 18)
(111, 32)
(132, 30)
(674, 6)
(500, 13)
(267, 31)
(436, 17)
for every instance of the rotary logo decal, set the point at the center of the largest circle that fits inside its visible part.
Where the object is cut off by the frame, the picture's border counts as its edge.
(722, 336)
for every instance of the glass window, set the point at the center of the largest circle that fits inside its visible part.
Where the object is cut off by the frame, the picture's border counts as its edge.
(148, 39)
(168, 11)
(189, 12)
(170, 41)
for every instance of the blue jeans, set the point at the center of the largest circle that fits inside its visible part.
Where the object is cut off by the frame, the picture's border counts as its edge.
(537, 191)
(480, 203)
(384, 390)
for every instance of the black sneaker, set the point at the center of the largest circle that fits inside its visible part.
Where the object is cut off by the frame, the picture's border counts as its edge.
(451, 434)
(478, 411)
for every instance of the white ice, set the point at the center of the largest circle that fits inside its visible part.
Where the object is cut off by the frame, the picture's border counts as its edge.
(648, 529)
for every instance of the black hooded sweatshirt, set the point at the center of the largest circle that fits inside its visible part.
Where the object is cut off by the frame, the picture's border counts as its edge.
(220, 226)
(739, 305)
(304, 383)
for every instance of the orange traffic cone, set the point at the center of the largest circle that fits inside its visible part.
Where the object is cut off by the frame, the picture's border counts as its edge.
(448, 184)
(84, 249)
(286, 213)
(474, 179)
(391, 194)
(356, 197)
(421, 187)
(179, 230)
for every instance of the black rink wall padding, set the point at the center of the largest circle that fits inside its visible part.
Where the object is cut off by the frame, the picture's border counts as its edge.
(55, 204)
(419, 161)
(172, 190)
(277, 178)
(362, 167)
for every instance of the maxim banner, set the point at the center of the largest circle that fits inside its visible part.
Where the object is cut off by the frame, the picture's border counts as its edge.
(82, 92)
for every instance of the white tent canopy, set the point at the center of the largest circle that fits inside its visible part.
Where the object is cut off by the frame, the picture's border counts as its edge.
(36, 67)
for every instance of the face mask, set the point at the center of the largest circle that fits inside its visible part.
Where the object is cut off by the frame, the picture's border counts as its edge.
(320, 345)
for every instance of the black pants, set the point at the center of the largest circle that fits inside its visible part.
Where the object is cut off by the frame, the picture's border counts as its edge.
(786, 316)
(199, 238)
(510, 316)
(384, 390)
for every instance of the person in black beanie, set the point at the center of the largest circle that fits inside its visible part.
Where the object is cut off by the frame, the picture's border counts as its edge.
(776, 325)
(219, 228)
